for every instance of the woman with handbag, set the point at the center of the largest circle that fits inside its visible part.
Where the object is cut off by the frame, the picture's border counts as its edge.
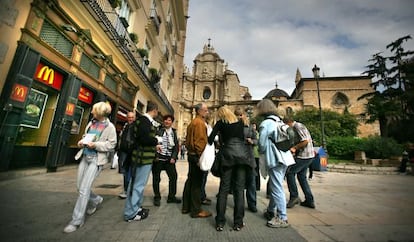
(234, 166)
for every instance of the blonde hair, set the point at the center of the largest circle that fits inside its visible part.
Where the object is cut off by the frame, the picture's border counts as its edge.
(240, 112)
(266, 107)
(102, 109)
(226, 115)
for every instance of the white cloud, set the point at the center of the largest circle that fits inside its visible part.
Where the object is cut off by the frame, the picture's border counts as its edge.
(265, 41)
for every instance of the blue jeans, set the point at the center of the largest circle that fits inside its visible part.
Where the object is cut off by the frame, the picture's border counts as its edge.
(134, 200)
(300, 169)
(277, 202)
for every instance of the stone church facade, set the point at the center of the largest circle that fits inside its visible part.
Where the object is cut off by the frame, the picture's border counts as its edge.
(211, 82)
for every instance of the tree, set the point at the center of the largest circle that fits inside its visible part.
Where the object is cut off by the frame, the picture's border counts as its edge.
(392, 101)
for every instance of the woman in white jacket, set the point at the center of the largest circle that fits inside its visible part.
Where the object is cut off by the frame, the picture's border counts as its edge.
(99, 140)
(276, 163)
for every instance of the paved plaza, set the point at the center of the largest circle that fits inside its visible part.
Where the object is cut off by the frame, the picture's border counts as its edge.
(36, 206)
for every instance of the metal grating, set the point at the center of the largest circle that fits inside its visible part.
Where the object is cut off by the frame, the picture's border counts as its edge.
(54, 38)
(110, 186)
(89, 66)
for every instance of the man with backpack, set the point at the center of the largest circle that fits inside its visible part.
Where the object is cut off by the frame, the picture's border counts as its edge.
(126, 143)
(147, 143)
(304, 154)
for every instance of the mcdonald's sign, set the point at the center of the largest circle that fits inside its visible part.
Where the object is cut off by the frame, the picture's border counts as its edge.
(85, 95)
(70, 109)
(19, 93)
(48, 76)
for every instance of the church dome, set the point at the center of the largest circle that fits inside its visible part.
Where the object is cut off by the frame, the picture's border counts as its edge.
(276, 94)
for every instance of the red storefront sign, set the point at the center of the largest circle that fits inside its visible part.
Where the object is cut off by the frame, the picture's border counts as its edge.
(19, 92)
(48, 76)
(70, 109)
(85, 95)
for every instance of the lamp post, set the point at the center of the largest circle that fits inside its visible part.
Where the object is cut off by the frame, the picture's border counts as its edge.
(315, 71)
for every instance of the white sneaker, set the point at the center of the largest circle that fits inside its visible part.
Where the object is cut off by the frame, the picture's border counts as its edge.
(277, 223)
(92, 210)
(142, 214)
(71, 228)
(122, 195)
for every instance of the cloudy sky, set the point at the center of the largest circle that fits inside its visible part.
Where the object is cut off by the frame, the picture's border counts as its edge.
(265, 41)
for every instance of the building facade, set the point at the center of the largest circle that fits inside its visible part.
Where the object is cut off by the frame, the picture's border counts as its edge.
(210, 81)
(58, 58)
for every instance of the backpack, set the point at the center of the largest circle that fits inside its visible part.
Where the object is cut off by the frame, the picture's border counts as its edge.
(286, 138)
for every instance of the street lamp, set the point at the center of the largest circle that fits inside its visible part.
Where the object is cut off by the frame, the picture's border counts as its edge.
(315, 71)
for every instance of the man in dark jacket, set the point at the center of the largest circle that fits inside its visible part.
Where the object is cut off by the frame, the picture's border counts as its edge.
(141, 163)
(126, 144)
(165, 159)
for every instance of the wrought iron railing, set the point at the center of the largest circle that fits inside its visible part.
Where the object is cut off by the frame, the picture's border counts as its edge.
(112, 25)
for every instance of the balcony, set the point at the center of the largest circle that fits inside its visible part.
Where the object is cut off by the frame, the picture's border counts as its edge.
(116, 31)
(155, 19)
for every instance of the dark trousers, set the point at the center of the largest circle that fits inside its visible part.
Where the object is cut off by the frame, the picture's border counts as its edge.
(124, 167)
(157, 167)
(192, 187)
(251, 188)
(237, 175)
(299, 169)
(203, 186)
(257, 174)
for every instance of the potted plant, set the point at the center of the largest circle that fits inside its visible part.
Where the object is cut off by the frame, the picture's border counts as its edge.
(115, 3)
(133, 37)
(143, 52)
(153, 75)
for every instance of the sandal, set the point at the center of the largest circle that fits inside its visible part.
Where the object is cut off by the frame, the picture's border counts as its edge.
(219, 227)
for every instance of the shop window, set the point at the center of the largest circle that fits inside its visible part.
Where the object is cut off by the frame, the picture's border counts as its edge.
(58, 41)
(37, 117)
(89, 66)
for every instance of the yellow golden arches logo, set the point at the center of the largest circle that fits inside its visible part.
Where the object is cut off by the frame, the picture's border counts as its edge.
(46, 74)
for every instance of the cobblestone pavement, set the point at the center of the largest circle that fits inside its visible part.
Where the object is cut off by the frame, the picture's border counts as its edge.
(351, 206)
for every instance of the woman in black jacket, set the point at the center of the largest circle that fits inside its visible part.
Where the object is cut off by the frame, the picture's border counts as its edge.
(234, 165)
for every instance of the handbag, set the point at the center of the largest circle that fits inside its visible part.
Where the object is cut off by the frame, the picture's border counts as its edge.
(216, 168)
(207, 157)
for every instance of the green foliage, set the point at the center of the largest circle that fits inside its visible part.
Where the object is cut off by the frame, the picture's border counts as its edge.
(393, 78)
(344, 147)
(377, 147)
(153, 75)
(335, 124)
(115, 3)
(134, 38)
(143, 52)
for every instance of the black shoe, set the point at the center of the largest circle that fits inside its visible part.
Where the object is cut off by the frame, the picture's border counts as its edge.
(219, 227)
(238, 227)
(292, 202)
(206, 201)
(269, 215)
(307, 204)
(253, 209)
(173, 200)
(157, 202)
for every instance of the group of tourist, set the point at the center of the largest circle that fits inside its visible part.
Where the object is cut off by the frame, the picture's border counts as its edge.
(146, 146)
